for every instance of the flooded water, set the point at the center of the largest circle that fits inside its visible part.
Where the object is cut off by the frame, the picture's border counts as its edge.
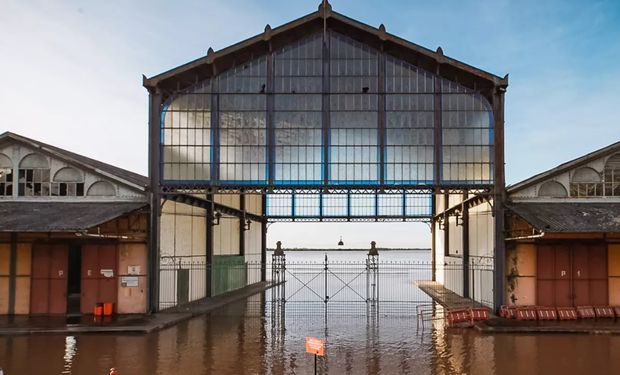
(249, 337)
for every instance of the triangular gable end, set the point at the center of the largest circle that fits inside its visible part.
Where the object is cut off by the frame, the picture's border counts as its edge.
(551, 174)
(130, 180)
(272, 39)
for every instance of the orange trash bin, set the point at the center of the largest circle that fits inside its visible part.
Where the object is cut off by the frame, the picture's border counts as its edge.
(108, 308)
(98, 309)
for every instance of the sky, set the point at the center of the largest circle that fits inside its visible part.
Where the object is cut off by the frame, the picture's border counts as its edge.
(71, 74)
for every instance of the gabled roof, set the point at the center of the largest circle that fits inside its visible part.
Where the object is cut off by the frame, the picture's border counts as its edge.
(570, 217)
(271, 39)
(110, 171)
(76, 216)
(569, 165)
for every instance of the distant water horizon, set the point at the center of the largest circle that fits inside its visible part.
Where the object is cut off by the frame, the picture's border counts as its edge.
(352, 249)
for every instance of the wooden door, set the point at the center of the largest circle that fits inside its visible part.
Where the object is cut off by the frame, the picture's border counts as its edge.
(572, 275)
(562, 270)
(545, 282)
(90, 280)
(597, 256)
(581, 275)
(59, 262)
(40, 282)
(96, 286)
(48, 292)
(108, 285)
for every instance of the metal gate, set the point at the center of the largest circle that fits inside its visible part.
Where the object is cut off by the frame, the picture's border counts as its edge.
(349, 287)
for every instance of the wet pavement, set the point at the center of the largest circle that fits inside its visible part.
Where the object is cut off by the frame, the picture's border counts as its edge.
(133, 323)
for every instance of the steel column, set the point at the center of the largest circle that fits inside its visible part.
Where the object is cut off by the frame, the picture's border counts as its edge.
(381, 115)
(215, 132)
(446, 226)
(325, 111)
(433, 242)
(155, 106)
(209, 264)
(465, 240)
(499, 196)
(263, 239)
(437, 132)
(270, 121)
(242, 225)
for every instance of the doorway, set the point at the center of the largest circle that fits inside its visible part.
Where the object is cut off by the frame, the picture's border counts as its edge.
(74, 280)
(572, 274)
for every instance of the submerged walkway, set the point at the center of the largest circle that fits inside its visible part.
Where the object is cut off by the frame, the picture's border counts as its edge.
(444, 296)
(450, 300)
(126, 324)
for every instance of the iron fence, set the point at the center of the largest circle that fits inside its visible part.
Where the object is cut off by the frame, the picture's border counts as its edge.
(369, 286)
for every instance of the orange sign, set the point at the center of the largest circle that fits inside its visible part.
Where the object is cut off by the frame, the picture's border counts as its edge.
(315, 346)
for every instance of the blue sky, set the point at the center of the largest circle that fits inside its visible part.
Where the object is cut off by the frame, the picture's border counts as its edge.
(71, 71)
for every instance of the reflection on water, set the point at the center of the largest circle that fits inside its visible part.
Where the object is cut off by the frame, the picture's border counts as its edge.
(244, 338)
(249, 337)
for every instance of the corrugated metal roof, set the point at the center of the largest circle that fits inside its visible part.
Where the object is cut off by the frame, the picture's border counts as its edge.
(570, 217)
(60, 216)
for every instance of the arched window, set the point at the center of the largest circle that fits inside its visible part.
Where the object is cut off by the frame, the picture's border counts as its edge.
(586, 182)
(101, 189)
(68, 182)
(6, 176)
(34, 176)
(611, 176)
(552, 189)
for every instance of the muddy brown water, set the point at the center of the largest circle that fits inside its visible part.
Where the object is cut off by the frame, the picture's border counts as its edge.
(251, 337)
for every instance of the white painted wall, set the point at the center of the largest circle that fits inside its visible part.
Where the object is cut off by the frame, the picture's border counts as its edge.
(16, 152)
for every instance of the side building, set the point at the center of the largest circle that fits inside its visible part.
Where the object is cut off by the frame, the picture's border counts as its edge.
(73, 232)
(563, 234)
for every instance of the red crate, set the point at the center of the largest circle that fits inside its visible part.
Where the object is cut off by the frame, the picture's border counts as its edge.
(567, 313)
(604, 312)
(586, 312)
(546, 313)
(479, 313)
(526, 313)
(458, 316)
